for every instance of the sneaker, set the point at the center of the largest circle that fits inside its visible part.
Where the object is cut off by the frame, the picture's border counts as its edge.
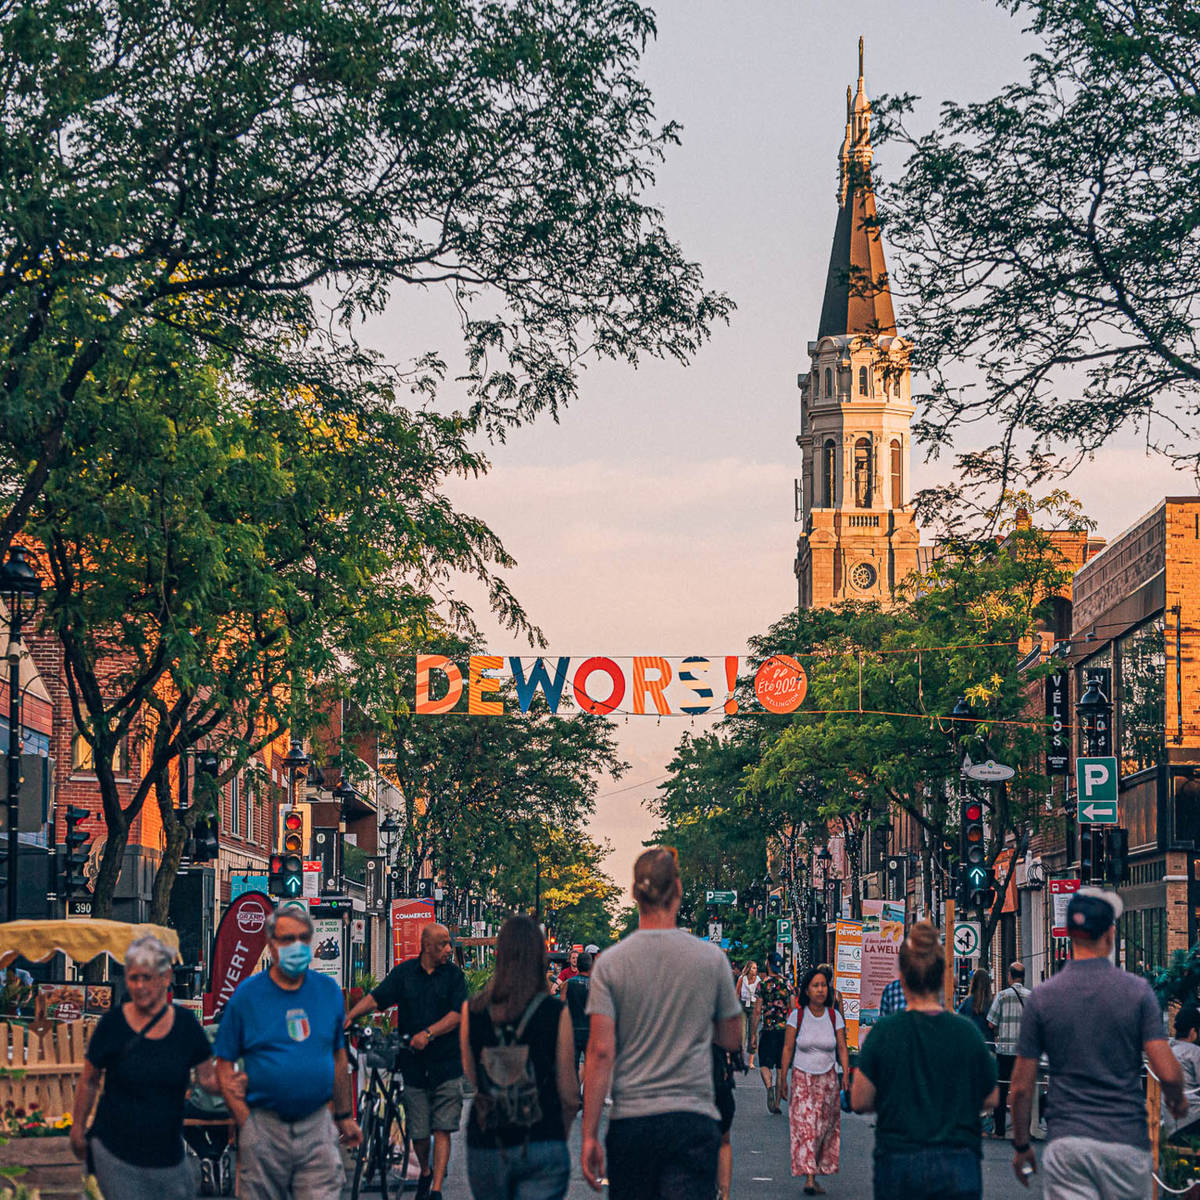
(771, 1105)
(423, 1186)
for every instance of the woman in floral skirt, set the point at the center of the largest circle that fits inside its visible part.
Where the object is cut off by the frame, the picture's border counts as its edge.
(814, 1043)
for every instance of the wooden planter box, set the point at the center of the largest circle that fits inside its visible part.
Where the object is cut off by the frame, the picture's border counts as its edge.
(51, 1168)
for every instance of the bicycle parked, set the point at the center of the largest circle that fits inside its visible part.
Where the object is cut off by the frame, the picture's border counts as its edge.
(385, 1141)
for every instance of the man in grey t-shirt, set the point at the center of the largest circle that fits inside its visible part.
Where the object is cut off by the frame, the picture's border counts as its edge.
(658, 1001)
(1093, 1022)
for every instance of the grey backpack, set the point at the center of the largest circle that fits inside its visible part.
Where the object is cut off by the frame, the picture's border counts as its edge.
(507, 1098)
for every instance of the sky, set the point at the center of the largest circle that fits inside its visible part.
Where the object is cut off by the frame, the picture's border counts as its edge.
(657, 517)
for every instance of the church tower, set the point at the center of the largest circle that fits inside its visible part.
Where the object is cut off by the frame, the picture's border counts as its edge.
(859, 538)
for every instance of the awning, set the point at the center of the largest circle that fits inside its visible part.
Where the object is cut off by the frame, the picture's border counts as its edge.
(80, 940)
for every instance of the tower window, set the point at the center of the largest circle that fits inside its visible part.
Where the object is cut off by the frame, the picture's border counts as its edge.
(862, 381)
(897, 475)
(816, 383)
(827, 462)
(828, 383)
(862, 473)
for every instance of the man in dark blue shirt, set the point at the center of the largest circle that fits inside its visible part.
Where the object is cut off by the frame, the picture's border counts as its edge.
(428, 993)
(287, 1025)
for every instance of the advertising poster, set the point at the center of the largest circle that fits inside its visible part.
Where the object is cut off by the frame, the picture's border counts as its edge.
(1061, 891)
(241, 940)
(327, 947)
(409, 917)
(882, 933)
(847, 968)
(61, 1001)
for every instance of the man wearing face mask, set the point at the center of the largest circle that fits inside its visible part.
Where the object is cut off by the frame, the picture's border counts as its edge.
(287, 1025)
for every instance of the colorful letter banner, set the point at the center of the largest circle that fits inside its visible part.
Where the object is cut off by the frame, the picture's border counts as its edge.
(647, 685)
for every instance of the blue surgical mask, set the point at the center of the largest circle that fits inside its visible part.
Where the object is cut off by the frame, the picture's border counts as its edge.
(293, 959)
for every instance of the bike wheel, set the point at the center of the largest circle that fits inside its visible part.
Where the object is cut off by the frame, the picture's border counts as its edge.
(362, 1160)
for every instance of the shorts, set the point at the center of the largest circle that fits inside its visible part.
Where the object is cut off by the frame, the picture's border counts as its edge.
(434, 1109)
(770, 1049)
(669, 1156)
(726, 1106)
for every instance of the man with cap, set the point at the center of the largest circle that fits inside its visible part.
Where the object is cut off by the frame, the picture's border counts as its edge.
(1093, 1022)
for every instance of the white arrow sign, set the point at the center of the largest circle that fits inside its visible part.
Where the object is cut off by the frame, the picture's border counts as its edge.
(1098, 812)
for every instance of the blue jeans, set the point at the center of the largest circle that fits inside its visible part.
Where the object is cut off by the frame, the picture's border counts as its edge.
(530, 1171)
(939, 1173)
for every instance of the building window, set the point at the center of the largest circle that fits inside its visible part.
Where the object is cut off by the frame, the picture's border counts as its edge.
(828, 383)
(81, 756)
(862, 473)
(828, 459)
(235, 810)
(897, 474)
(816, 383)
(1140, 699)
(863, 385)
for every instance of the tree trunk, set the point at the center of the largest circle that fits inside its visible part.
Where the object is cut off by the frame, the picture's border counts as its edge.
(176, 832)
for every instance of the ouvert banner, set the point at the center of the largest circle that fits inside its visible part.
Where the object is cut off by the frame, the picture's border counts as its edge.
(240, 942)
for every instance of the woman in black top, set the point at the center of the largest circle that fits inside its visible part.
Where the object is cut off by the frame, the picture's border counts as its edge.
(145, 1049)
(518, 1051)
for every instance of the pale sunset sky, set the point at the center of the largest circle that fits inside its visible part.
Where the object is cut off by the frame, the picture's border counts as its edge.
(657, 516)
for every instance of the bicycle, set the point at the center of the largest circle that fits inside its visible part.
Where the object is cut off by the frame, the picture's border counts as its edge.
(385, 1140)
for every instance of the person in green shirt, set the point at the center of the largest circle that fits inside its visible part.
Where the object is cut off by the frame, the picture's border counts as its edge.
(927, 1073)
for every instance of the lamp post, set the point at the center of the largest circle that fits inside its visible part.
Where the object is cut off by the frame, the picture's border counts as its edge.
(20, 589)
(295, 761)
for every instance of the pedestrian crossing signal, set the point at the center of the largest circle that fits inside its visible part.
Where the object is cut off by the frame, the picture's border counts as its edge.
(286, 876)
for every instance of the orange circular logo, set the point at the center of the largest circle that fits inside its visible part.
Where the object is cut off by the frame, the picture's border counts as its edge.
(781, 684)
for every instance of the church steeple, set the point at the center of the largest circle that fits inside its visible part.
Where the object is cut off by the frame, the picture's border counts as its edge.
(857, 296)
(859, 538)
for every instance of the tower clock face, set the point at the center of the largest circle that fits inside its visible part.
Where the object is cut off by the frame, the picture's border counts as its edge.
(862, 576)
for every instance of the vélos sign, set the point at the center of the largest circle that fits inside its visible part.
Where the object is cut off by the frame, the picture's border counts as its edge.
(240, 942)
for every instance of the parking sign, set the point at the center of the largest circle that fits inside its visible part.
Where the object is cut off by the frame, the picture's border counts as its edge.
(1096, 790)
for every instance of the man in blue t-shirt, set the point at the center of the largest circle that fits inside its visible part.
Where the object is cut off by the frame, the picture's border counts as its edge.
(287, 1025)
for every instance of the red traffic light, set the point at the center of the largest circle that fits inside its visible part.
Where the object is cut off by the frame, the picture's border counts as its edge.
(276, 863)
(293, 820)
(973, 810)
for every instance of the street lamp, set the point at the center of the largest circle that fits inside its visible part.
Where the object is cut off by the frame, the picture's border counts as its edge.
(1093, 709)
(20, 589)
(344, 793)
(295, 762)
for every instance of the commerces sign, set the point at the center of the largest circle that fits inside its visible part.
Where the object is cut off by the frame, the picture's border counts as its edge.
(409, 917)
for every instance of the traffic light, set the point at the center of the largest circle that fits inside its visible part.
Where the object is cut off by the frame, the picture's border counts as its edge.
(1118, 854)
(76, 856)
(1086, 849)
(975, 883)
(1099, 869)
(287, 866)
(206, 840)
(295, 830)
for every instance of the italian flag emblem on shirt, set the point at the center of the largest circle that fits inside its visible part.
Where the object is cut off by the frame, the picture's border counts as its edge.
(297, 1025)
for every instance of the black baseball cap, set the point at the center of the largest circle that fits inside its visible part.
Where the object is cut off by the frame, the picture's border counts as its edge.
(1092, 910)
(775, 961)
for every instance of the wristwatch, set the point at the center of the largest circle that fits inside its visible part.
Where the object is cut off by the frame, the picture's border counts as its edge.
(1020, 1149)
(342, 1116)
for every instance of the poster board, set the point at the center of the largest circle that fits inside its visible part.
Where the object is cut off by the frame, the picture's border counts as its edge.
(329, 949)
(847, 966)
(882, 933)
(409, 917)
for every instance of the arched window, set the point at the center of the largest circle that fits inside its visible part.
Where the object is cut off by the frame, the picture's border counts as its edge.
(828, 384)
(863, 472)
(828, 456)
(897, 475)
(862, 381)
(816, 383)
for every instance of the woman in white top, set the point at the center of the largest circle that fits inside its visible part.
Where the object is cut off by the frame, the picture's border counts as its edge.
(814, 1042)
(747, 993)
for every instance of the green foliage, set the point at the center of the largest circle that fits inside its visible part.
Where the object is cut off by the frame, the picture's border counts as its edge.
(1179, 981)
(1047, 239)
(478, 978)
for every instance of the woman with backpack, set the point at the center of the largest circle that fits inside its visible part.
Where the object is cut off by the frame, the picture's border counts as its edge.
(814, 1043)
(518, 1050)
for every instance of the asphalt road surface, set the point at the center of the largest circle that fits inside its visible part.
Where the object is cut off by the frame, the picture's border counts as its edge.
(761, 1164)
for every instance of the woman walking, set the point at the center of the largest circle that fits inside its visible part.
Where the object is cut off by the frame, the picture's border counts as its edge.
(814, 1043)
(748, 994)
(927, 1073)
(144, 1050)
(978, 1002)
(518, 1051)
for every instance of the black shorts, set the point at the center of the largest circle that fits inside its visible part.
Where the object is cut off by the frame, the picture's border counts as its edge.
(770, 1049)
(669, 1156)
(726, 1106)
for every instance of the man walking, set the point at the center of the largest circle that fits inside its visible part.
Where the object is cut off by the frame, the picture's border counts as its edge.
(428, 993)
(1004, 1018)
(577, 991)
(659, 1000)
(772, 1007)
(893, 999)
(1093, 1021)
(287, 1025)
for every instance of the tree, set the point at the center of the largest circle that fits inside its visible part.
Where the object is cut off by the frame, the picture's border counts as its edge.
(1049, 243)
(257, 178)
(210, 551)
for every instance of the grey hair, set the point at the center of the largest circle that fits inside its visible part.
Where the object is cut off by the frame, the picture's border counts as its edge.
(297, 912)
(149, 952)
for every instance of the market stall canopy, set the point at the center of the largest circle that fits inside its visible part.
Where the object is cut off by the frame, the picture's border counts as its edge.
(80, 940)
